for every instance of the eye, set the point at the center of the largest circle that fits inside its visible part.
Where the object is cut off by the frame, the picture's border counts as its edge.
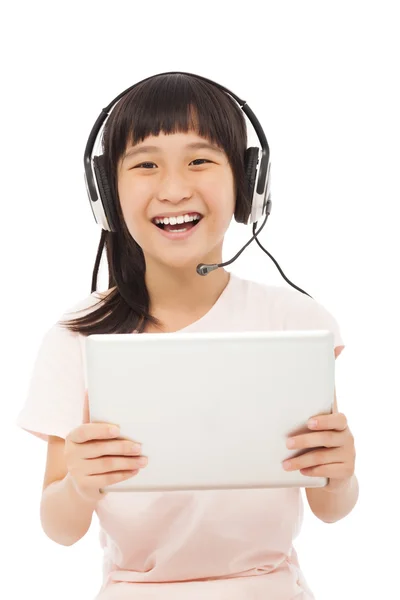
(200, 159)
(150, 165)
(145, 165)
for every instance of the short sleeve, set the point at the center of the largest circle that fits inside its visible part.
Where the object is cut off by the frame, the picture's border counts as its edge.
(303, 312)
(55, 398)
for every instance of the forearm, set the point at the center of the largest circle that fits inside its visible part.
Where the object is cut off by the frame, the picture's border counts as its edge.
(331, 506)
(65, 515)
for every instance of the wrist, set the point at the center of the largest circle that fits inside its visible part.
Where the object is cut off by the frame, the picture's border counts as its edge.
(336, 486)
(90, 500)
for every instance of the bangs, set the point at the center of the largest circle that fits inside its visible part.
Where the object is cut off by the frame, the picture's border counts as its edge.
(175, 103)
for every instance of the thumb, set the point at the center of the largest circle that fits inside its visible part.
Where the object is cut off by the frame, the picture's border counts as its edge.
(86, 412)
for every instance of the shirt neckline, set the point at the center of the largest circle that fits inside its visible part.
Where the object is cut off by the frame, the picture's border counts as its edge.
(216, 307)
(212, 311)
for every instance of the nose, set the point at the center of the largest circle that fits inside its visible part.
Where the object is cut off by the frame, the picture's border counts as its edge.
(174, 187)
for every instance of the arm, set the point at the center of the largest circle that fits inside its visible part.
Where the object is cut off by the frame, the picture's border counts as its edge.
(331, 454)
(92, 457)
(331, 505)
(65, 514)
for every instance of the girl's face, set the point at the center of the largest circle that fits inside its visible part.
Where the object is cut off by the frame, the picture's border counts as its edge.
(177, 195)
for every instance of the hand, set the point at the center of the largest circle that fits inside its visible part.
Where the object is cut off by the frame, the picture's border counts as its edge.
(335, 453)
(96, 457)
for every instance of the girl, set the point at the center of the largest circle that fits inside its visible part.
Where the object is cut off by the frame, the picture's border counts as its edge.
(173, 173)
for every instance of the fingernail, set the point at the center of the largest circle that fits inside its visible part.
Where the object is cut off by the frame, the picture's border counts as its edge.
(312, 423)
(114, 430)
(136, 448)
(143, 460)
(287, 464)
(290, 443)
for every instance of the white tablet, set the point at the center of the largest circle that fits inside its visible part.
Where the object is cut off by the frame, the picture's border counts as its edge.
(212, 410)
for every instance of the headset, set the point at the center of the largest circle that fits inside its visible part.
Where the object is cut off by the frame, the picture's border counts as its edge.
(257, 175)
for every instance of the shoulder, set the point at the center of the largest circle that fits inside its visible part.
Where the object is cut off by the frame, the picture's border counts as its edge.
(284, 307)
(284, 298)
(58, 339)
(85, 305)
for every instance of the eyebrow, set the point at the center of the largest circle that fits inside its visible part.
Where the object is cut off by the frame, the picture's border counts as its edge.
(193, 146)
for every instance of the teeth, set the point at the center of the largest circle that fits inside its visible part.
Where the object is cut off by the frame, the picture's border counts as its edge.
(174, 220)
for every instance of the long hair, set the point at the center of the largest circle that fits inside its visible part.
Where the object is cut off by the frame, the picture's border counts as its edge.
(168, 103)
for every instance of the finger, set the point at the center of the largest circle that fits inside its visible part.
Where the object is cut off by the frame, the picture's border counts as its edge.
(110, 464)
(336, 421)
(93, 431)
(331, 471)
(102, 481)
(327, 439)
(86, 413)
(112, 448)
(313, 459)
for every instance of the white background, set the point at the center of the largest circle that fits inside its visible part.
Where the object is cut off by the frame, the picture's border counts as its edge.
(323, 79)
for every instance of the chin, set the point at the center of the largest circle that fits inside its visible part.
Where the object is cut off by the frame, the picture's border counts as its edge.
(183, 265)
(185, 256)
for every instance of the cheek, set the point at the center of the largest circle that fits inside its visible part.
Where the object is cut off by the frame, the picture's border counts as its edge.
(220, 194)
(123, 195)
(130, 202)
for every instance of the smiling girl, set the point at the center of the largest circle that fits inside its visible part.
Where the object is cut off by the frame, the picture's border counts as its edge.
(174, 171)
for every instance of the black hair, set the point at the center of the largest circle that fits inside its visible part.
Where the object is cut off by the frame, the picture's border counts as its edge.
(168, 103)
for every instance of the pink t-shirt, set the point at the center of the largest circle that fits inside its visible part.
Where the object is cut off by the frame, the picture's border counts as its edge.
(219, 545)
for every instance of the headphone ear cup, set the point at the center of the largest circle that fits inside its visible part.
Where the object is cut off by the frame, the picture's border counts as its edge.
(250, 166)
(104, 188)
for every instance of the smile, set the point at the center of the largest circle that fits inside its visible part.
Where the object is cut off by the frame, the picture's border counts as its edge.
(178, 226)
